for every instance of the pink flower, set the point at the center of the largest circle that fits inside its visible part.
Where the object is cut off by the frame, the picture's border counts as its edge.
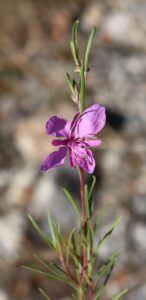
(75, 137)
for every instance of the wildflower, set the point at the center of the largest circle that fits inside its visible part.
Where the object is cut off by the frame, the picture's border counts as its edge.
(76, 138)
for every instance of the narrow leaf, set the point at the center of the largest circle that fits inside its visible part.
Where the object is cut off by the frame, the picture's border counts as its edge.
(74, 42)
(41, 233)
(70, 82)
(49, 275)
(90, 198)
(51, 227)
(74, 34)
(82, 89)
(71, 199)
(69, 245)
(73, 52)
(106, 236)
(102, 286)
(44, 294)
(117, 297)
(88, 48)
(52, 268)
(87, 202)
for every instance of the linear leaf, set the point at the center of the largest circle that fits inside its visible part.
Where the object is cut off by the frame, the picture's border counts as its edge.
(101, 214)
(74, 34)
(73, 52)
(106, 236)
(74, 42)
(44, 294)
(70, 82)
(117, 297)
(51, 275)
(88, 48)
(105, 269)
(41, 233)
(91, 193)
(102, 286)
(52, 231)
(52, 267)
(69, 245)
(82, 89)
(71, 199)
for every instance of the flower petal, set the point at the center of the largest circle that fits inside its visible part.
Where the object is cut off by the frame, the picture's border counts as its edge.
(93, 143)
(55, 159)
(58, 127)
(84, 158)
(59, 142)
(73, 124)
(91, 121)
(72, 158)
(88, 163)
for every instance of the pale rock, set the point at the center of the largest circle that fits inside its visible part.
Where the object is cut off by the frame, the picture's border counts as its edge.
(49, 197)
(21, 187)
(5, 178)
(139, 205)
(138, 235)
(3, 295)
(92, 16)
(31, 139)
(122, 28)
(11, 233)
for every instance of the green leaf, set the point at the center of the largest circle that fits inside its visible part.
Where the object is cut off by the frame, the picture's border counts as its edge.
(74, 34)
(52, 268)
(88, 48)
(117, 297)
(101, 214)
(87, 202)
(47, 274)
(69, 245)
(90, 198)
(106, 236)
(82, 89)
(71, 199)
(73, 52)
(52, 231)
(44, 294)
(41, 233)
(52, 276)
(105, 271)
(70, 82)
(74, 43)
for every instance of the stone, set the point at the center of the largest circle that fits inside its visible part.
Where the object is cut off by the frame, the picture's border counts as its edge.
(92, 15)
(21, 187)
(49, 197)
(3, 295)
(138, 205)
(11, 233)
(121, 28)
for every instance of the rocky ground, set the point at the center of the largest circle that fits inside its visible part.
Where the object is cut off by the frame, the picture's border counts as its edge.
(34, 57)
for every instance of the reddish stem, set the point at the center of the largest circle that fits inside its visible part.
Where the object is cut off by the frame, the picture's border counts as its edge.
(84, 223)
(84, 226)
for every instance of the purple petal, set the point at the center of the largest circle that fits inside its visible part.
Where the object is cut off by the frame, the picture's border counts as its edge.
(73, 123)
(88, 163)
(58, 127)
(93, 143)
(84, 158)
(91, 121)
(72, 158)
(59, 142)
(55, 159)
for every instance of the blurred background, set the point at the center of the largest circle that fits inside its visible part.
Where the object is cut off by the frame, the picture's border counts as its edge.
(34, 57)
